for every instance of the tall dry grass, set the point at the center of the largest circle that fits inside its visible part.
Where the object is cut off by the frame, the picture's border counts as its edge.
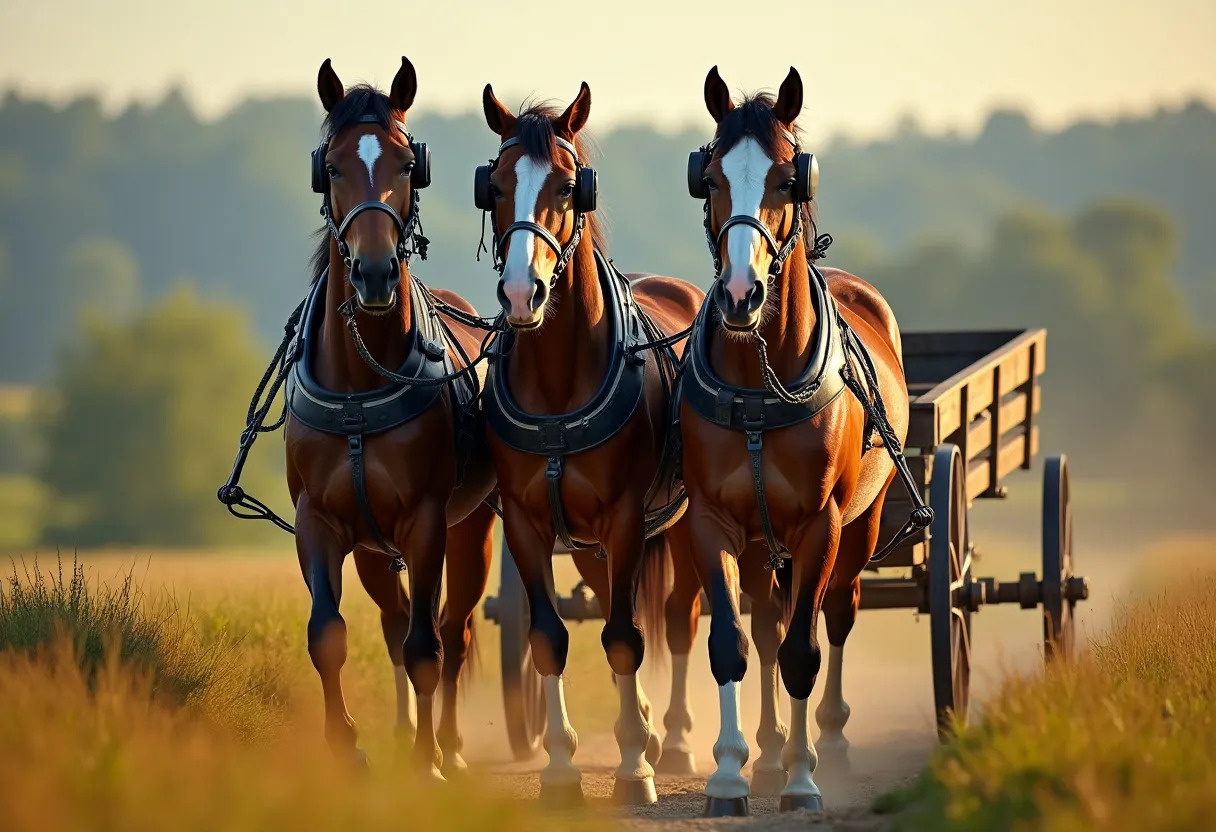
(121, 711)
(1124, 738)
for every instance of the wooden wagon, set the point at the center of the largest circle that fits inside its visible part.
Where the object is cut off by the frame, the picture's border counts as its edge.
(975, 398)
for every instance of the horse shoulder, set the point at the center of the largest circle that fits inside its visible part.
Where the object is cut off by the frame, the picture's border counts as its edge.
(672, 302)
(864, 304)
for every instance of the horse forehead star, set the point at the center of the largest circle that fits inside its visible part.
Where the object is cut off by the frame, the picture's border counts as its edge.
(530, 176)
(369, 152)
(746, 168)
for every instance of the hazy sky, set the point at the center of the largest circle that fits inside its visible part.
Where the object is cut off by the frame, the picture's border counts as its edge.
(865, 62)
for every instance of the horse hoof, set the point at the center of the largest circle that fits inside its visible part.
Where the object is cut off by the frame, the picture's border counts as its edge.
(726, 807)
(801, 802)
(675, 761)
(454, 766)
(634, 792)
(768, 782)
(429, 774)
(834, 755)
(561, 795)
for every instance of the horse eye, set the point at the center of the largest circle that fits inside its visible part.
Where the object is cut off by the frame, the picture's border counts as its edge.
(331, 171)
(567, 190)
(406, 170)
(494, 192)
(787, 186)
(711, 184)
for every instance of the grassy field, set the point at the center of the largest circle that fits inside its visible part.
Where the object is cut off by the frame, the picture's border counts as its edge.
(1125, 738)
(144, 710)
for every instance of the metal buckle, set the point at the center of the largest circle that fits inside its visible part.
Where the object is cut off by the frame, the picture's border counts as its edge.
(552, 435)
(755, 440)
(553, 469)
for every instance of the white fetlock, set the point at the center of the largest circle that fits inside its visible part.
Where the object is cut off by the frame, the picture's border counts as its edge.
(800, 759)
(833, 712)
(730, 751)
(768, 772)
(560, 739)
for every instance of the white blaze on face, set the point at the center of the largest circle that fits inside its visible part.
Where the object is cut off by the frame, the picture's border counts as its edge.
(746, 169)
(369, 152)
(517, 279)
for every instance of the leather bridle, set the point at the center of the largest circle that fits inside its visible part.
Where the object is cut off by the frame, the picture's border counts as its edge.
(564, 252)
(781, 252)
(409, 230)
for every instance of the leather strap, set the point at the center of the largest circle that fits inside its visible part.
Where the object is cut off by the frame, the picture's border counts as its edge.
(553, 476)
(354, 443)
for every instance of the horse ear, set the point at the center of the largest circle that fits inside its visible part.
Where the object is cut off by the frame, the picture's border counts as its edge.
(329, 87)
(717, 96)
(405, 86)
(576, 115)
(789, 99)
(498, 117)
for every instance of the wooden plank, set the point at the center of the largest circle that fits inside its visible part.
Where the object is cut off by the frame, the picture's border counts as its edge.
(939, 412)
(1016, 450)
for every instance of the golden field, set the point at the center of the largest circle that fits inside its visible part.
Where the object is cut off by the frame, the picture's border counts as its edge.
(1123, 738)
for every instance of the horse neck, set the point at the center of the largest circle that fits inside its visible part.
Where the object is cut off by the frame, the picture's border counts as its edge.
(339, 366)
(559, 367)
(788, 329)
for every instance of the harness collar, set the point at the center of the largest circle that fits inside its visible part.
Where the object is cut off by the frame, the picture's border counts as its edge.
(752, 409)
(608, 410)
(369, 411)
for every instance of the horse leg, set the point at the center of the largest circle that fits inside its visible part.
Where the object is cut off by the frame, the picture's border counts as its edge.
(712, 544)
(470, 547)
(384, 587)
(768, 773)
(857, 543)
(682, 611)
(321, 554)
(560, 779)
(423, 543)
(814, 555)
(624, 646)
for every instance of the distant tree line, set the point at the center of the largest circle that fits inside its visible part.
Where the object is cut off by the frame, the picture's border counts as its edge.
(1095, 231)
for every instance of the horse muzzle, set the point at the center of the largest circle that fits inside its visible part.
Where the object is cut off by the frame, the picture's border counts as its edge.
(523, 300)
(375, 281)
(741, 312)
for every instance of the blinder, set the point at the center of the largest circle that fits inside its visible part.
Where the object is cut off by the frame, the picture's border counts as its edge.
(806, 172)
(420, 175)
(806, 183)
(586, 181)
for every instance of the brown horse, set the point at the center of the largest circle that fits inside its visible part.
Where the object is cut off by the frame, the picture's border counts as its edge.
(580, 417)
(414, 502)
(810, 487)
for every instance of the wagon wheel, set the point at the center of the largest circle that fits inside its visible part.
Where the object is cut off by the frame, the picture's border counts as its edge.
(949, 590)
(1059, 623)
(522, 695)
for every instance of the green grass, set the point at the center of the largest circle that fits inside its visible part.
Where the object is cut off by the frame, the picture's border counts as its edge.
(1124, 738)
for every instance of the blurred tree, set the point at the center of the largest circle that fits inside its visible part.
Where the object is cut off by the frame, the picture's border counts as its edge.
(146, 423)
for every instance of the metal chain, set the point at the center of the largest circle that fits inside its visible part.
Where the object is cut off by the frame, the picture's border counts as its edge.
(347, 310)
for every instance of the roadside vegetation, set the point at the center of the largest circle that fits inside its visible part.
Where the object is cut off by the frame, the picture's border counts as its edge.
(1124, 738)
(124, 710)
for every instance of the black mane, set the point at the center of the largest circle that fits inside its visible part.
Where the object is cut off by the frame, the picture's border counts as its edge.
(754, 117)
(534, 129)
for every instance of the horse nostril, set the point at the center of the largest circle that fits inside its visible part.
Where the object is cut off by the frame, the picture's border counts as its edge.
(540, 291)
(755, 298)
